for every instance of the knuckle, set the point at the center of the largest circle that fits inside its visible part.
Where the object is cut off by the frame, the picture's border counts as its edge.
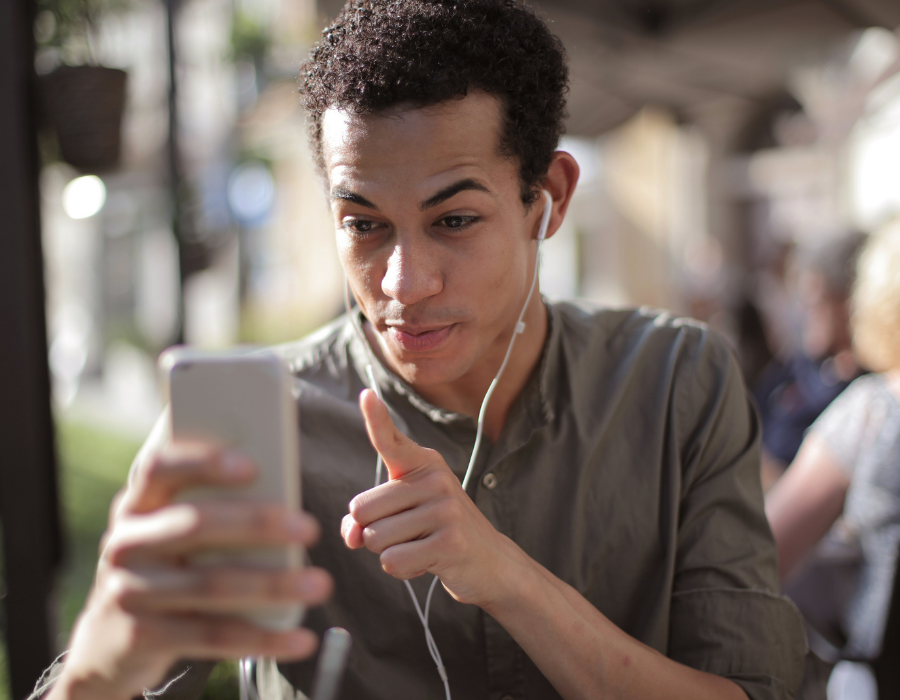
(431, 455)
(448, 510)
(259, 519)
(213, 585)
(118, 589)
(195, 518)
(269, 521)
(389, 563)
(372, 539)
(213, 634)
(273, 643)
(451, 540)
(217, 633)
(275, 585)
(442, 481)
(227, 634)
(150, 634)
(116, 550)
(359, 509)
(154, 468)
(209, 462)
(281, 585)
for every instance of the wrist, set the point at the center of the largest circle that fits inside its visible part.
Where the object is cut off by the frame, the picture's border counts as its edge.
(516, 583)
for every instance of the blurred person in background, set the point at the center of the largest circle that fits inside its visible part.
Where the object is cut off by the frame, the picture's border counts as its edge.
(840, 499)
(792, 392)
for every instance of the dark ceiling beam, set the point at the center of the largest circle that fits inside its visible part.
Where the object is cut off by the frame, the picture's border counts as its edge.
(647, 19)
(851, 13)
(659, 17)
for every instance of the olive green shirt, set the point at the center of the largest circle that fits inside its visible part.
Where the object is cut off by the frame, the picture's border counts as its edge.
(628, 467)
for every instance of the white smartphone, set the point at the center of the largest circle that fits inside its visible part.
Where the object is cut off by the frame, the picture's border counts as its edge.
(241, 400)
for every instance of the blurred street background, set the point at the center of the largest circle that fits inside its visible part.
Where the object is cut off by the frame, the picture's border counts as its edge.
(721, 143)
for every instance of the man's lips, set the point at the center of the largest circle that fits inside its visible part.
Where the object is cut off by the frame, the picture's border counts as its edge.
(421, 338)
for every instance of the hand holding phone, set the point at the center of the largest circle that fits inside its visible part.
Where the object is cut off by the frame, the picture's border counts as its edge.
(241, 401)
(158, 595)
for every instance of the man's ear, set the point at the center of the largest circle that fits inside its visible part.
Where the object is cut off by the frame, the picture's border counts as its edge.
(562, 176)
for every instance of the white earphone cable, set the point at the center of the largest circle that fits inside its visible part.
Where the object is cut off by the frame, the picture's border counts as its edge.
(519, 328)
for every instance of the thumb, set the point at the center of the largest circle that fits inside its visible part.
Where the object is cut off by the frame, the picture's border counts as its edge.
(400, 454)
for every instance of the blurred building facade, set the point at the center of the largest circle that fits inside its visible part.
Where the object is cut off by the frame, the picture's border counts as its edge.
(711, 145)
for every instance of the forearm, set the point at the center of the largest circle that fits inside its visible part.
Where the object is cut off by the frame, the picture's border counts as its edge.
(584, 655)
(804, 504)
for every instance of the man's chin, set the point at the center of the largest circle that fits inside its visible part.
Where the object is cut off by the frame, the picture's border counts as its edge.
(424, 373)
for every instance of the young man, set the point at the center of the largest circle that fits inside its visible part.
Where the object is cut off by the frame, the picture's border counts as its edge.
(612, 542)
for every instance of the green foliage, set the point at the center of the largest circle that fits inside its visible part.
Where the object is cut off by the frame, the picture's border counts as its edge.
(249, 39)
(222, 683)
(94, 465)
(68, 25)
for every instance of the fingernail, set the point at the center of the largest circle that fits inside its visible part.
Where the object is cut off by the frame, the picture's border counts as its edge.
(236, 465)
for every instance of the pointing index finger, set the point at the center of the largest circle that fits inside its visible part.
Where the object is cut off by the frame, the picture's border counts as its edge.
(400, 454)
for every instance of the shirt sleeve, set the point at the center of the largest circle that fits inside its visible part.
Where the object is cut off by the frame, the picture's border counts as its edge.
(843, 424)
(726, 617)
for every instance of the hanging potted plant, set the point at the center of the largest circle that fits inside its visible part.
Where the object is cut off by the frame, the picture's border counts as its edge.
(83, 101)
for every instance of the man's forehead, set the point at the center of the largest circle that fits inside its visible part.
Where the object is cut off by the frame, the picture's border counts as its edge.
(457, 131)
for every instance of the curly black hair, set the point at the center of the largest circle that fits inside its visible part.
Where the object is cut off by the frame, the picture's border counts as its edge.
(379, 54)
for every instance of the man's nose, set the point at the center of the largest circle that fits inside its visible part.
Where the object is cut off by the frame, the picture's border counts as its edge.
(412, 273)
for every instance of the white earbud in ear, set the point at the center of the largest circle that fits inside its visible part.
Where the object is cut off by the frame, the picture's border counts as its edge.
(545, 218)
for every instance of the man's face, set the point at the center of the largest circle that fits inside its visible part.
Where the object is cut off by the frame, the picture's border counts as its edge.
(432, 233)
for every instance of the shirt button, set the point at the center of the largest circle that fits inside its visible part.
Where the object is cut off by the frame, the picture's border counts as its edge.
(490, 481)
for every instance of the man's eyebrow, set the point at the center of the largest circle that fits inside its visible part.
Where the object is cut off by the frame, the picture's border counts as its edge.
(451, 190)
(341, 193)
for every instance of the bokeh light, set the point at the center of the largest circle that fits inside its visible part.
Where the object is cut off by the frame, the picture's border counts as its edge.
(251, 192)
(84, 196)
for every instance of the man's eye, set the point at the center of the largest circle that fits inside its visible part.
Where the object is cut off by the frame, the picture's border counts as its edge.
(358, 225)
(457, 221)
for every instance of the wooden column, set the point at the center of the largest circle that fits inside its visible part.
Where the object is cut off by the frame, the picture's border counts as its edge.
(29, 510)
